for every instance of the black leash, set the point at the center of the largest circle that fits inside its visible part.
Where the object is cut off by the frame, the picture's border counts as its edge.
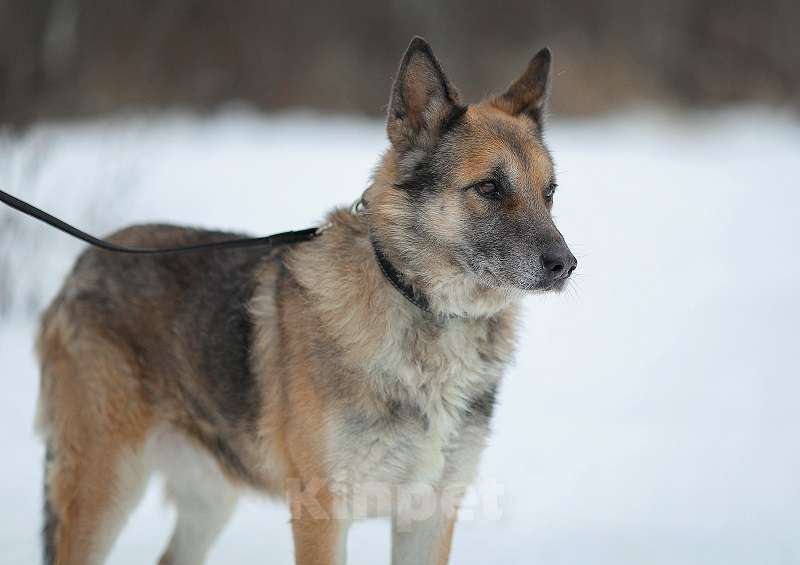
(391, 274)
(42, 216)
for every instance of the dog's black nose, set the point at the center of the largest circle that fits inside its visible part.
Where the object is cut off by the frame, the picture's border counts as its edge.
(559, 264)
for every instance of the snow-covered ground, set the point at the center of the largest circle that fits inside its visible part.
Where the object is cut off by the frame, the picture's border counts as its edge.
(652, 415)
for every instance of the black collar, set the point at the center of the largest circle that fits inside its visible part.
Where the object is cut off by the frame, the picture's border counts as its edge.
(396, 279)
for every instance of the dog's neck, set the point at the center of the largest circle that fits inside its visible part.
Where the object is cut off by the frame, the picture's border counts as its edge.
(397, 280)
(441, 287)
(340, 267)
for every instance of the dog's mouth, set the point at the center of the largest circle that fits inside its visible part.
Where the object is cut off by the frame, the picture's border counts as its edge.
(490, 278)
(541, 287)
(555, 286)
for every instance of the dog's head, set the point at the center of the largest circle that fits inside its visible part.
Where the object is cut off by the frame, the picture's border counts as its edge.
(467, 190)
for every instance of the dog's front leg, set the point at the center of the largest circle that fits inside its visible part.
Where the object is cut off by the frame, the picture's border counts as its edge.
(422, 535)
(320, 535)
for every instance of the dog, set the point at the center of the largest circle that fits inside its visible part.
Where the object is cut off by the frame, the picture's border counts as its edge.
(353, 375)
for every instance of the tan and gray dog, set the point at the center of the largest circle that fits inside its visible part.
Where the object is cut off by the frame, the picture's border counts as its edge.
(353, 374)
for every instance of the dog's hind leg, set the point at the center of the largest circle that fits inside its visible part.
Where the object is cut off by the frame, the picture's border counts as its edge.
(89, 494)
(95, 423)
(203, 496)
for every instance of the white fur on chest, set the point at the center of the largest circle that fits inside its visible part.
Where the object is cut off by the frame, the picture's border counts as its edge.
(438, 374)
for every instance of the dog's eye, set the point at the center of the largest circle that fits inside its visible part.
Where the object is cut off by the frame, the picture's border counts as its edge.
(488, 189)
(550, 191)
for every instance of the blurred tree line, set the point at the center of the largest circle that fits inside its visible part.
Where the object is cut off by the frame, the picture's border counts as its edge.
(64, 58)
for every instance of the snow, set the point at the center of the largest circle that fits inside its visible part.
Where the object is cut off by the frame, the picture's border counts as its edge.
(651, 415)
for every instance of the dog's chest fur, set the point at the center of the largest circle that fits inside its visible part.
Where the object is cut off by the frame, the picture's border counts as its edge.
(433, 386)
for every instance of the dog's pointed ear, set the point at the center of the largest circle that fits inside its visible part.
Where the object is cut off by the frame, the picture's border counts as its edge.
(528, 94)
(422, 99)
